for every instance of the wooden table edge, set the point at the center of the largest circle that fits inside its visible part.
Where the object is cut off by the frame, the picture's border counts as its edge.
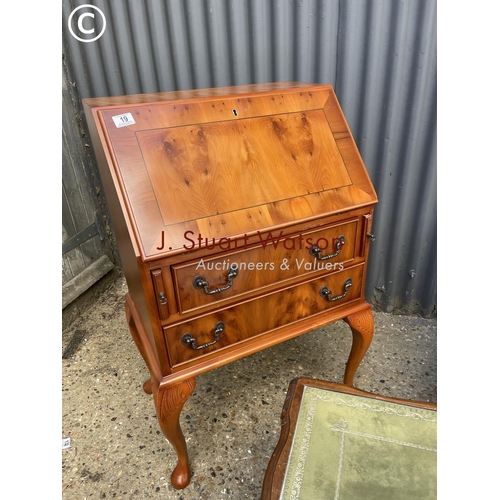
(275, 473)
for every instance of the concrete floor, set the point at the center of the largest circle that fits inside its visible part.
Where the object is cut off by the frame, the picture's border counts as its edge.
(232, 420)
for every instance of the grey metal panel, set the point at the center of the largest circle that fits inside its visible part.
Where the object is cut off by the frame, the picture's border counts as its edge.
(241, 42)
(379, 55)
(387, 87)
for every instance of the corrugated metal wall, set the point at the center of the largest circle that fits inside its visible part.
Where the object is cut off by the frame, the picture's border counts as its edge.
(379, 55)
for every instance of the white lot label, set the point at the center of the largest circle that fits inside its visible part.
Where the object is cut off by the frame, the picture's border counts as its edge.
(123, 120)
(66, 443)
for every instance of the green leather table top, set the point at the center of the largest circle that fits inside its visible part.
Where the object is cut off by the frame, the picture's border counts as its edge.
(349, 447)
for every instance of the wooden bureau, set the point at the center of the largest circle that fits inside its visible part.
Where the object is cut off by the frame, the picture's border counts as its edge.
(243, 218)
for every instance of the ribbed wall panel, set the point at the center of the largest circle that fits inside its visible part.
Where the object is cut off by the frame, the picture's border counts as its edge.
(379, 55)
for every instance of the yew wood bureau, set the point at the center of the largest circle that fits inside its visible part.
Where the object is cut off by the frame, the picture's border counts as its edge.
(243, 218)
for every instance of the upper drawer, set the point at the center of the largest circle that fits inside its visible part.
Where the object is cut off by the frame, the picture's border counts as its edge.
(277, 258)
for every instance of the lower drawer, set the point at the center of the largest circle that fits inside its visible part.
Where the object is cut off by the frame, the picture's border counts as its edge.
(222, 329)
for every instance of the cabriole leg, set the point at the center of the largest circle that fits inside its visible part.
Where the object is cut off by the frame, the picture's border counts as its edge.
(169, 401)
(362, 327)
(148, 386)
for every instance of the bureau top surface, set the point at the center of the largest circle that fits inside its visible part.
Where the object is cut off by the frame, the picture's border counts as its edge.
(227, 162)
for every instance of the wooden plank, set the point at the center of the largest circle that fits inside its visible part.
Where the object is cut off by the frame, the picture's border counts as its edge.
(85, 279)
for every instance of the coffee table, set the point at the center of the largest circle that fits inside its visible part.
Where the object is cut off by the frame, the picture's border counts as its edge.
(341, 443)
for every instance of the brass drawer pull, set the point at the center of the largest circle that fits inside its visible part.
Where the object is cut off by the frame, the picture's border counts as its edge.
(188, 339)
(316, 251)
(324, 292)
(200, 282)
(163, 299)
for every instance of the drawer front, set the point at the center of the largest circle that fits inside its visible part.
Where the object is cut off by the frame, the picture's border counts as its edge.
(225, 328)
(276, 259)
